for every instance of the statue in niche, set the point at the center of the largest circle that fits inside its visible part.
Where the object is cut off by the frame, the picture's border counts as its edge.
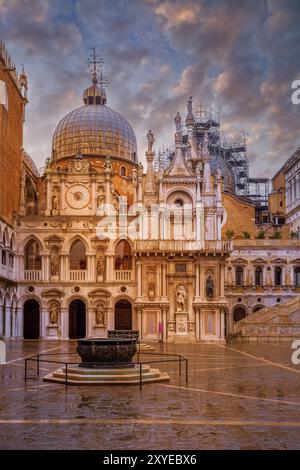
(189, 105)
(180, 298)
(134, 176)
(54, 313)
(151, 140)
(209, 286)
(101, 196)
(100, 267)
(268, 277)
(288, 279)
(249, 276)
(178, 122)
(99, 315)
(55, 204)
(54, 264)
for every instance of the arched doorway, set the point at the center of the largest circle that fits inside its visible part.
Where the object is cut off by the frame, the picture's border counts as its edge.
(31, 325)
(239, 313)
(77, 319)
(123, 315)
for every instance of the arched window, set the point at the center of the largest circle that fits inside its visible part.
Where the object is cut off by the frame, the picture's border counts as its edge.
(239, 313)
(78, 256)
(123, 256)
(239, 276)
(278, 276)
(32, 256)
(258, 276)
(297, 277)
(123, 171)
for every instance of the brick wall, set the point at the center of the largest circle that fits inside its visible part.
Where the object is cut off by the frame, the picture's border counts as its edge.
(11, 135)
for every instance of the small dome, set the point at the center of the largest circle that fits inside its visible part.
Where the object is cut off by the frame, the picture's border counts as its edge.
(94, 95)
(94, 130)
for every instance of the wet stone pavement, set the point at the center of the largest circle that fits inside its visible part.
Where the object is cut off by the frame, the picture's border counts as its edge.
(239, 396)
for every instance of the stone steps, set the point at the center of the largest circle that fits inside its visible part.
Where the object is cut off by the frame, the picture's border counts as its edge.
(127, 376)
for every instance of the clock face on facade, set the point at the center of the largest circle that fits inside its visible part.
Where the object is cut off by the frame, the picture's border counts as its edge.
(78, 196)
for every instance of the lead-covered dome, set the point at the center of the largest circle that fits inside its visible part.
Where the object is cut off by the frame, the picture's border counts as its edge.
(94, 130)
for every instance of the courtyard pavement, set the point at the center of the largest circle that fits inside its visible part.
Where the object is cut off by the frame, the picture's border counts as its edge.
(239, 396)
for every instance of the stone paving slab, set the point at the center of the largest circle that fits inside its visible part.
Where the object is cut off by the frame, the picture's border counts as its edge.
(241, 396)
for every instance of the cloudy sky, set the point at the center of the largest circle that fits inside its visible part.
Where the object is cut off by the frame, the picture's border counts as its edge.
(239, 55)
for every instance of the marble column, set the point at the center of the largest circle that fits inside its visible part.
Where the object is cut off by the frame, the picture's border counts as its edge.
(1, 320)
(44, 322)
(164, 281)
(139, 278)
(197, 280)
(19, 322)
(139, 321)
(109, 266)
(48, 195)
(7, 322)
(64, 315)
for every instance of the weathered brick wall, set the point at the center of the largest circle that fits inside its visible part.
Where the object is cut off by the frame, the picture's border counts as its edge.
(11, 135)
(240, 217)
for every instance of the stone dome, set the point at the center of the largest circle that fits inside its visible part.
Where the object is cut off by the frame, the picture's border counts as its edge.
(94, 130)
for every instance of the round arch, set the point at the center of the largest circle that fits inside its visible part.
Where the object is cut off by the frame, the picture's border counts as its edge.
(180, 192)
(31, 319)
(257, 307)
(123, 313)
(239, 312)
(77, 318)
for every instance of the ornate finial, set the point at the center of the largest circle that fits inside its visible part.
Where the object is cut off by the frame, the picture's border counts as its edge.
(95, 63)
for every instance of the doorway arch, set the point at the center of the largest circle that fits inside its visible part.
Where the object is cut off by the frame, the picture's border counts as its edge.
(31, 319)
(123, 315)
(77, 319)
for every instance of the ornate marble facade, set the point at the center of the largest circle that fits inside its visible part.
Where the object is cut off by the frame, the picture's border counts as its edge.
(155, 261)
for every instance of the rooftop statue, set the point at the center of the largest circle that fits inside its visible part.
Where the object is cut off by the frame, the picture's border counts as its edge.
(151, 140)
(178, 122)
(189, 105)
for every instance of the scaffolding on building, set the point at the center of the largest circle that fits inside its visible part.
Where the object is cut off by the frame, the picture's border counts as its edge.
(234, 154)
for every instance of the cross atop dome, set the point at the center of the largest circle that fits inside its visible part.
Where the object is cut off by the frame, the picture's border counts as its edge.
(96, 94)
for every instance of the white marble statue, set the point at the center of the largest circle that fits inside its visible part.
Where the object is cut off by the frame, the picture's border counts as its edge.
(180, 298)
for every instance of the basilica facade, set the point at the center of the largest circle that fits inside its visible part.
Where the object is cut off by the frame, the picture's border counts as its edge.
(100, 243)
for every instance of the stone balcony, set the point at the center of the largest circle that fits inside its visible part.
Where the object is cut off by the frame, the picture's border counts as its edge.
(173, 246)
(124, 275)
(32, 275)
(78, 274)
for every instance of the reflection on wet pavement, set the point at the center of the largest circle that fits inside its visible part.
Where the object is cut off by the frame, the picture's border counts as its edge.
(241, 396)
